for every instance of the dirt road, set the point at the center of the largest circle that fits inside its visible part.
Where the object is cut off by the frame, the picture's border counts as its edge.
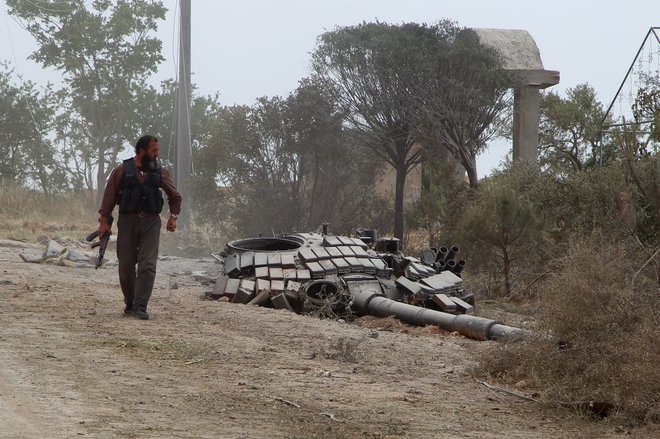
(71, 365)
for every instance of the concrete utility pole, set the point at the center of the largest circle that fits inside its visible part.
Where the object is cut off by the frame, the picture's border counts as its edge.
(183, 163)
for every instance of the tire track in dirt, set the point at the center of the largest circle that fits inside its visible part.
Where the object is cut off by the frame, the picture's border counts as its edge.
(18, 417)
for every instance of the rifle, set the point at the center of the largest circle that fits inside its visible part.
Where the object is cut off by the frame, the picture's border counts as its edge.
(102, 243)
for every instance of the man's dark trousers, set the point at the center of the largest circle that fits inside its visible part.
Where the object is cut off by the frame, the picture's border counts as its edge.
(138, 236)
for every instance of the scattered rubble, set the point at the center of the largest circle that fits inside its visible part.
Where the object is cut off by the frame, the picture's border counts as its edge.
(57, 254)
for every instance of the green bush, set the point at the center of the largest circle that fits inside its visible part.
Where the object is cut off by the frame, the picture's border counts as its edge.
(565, 207)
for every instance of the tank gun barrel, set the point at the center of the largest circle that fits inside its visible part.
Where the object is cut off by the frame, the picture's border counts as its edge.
(371, 301)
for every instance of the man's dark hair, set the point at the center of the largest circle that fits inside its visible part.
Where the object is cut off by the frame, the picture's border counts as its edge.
(144, 141)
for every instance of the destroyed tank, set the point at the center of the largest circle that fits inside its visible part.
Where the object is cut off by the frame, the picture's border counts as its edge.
(342, 276)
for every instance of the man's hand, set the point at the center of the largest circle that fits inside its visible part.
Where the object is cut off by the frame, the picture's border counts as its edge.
(103, 227)
(171, 224)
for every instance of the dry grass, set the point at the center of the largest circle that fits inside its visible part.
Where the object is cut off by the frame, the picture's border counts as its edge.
(31, 216)
(599, 341)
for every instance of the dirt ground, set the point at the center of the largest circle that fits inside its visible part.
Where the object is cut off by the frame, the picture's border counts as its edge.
(71, 365)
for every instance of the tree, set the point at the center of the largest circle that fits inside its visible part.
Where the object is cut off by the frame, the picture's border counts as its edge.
(283, 164)
(570, 130)
(463, 96)
(439, 207)
(159, 117)
(504, 220)
(646, 110)
(368, 64)
(27, 154)
(415, 85)
(105, 52)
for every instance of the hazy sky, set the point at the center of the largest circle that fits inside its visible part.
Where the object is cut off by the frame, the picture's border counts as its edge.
(245, 49)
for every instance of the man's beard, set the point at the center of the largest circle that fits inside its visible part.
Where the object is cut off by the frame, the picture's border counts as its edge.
(148, 164)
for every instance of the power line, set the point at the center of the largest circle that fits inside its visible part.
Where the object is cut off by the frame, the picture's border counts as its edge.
(51, 3)
(176, 73)
(20, 77)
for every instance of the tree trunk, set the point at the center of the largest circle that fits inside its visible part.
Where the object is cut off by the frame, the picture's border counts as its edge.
(43, 180)
(43, 176)
(100, 177)
(401, 172)
(315, 181)
(507, 270)
(472, 175)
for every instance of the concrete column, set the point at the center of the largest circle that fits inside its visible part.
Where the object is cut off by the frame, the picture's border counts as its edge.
(526, 119)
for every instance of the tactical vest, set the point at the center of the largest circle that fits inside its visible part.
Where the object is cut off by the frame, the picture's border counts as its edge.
(140, 197)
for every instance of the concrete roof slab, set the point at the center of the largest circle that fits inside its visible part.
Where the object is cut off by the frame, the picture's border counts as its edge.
(516, 46)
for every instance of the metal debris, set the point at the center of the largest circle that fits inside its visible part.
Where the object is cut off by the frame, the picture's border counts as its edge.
(340, 276)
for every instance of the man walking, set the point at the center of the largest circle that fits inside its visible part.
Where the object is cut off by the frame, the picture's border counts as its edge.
(135, 186)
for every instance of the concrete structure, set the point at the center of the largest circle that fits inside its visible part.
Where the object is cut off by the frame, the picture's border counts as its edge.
(521, 56)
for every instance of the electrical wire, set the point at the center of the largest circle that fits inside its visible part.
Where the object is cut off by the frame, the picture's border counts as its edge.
(176, 72)
(23, 86)
(50, 3)
(20, 77)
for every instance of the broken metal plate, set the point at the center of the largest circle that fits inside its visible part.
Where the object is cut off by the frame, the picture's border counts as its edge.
(444, 302)
(409, 285)
(462, 305)
(220, 285)
(443, 281)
